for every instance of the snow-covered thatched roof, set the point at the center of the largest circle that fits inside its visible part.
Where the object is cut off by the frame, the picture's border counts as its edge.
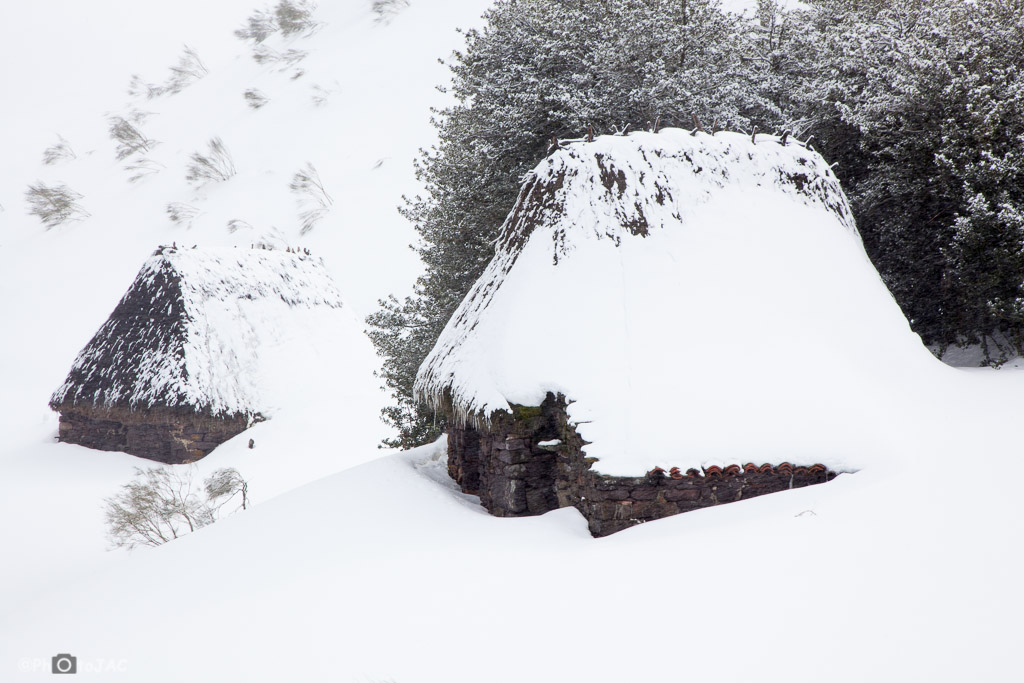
(189, 330)
(699, 299)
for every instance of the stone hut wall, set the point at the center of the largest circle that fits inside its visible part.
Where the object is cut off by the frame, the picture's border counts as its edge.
(515, 476)
(168, 435)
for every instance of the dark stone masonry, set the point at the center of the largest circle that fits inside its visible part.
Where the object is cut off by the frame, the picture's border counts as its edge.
(515, 476)
(168, 435)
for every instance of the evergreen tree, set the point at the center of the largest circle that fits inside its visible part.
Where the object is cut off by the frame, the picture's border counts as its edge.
(983, 149)
(919, 103)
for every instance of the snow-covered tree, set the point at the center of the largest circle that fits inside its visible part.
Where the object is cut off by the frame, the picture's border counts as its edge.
(920, 105)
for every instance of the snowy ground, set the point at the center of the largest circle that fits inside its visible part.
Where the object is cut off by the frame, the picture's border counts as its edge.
(385, 572)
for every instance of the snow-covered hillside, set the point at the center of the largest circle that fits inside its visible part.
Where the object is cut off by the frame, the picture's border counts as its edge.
(352, 122)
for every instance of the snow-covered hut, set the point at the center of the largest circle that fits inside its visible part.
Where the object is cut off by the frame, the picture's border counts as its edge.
(670, 321)
(176, 369)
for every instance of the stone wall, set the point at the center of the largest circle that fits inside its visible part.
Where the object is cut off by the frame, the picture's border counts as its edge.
(504, 466)
(515, 476)
(169, 435)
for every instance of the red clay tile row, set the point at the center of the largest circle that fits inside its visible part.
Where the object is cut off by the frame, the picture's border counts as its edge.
(785, 468)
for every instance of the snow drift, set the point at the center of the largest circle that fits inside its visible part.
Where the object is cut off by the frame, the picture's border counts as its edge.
(348, 580)
(699, 299)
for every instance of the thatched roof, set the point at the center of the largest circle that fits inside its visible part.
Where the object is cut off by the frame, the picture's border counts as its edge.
(699, 300)
(188, 331)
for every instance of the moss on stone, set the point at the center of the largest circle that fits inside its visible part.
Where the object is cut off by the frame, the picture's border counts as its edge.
(525, 412)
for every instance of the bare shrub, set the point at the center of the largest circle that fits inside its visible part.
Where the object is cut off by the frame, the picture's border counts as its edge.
(387, 9)
(141, 168)
(189, 69)
(321, 95)
(272, 239)
(59, 151)
(236, 224)
(288, 16)
(268, 55)
(254, 98)
(140, 88)
(223, 485)
(215, 165)
(181, 213)
(54, 205)
(311, 196)
(258, 27)
(263, 54)
(295, 17)
(163, 503)
(129, 139)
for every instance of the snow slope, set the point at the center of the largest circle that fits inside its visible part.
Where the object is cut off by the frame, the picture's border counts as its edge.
(387, 573)
(701, 300)
(358, 114)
